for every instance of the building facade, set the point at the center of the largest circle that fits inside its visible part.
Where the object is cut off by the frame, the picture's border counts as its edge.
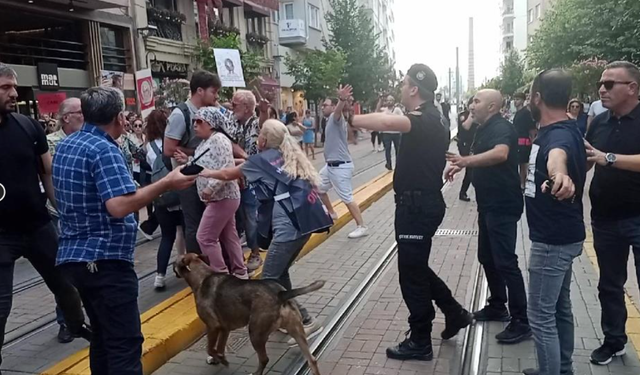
(536, 9)
(381, 12)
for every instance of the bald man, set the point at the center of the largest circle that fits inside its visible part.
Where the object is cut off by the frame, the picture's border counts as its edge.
(494, 159)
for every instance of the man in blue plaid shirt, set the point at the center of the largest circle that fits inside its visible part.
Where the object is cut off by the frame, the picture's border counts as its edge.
(96, 199)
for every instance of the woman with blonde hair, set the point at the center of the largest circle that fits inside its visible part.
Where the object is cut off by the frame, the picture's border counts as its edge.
(287, 240)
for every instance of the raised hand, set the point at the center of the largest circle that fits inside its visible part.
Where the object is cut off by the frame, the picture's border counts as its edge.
(344, 92)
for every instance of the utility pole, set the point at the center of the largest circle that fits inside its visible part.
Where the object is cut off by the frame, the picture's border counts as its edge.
(457, 77)
(450, 83)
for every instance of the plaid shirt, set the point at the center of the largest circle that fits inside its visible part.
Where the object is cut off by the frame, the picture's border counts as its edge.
(88, 170)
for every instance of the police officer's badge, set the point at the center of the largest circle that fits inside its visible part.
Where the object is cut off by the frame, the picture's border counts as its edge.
(420, 75)
(3, 192)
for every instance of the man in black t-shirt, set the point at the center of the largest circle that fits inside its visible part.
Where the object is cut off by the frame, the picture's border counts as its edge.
(495, 178)
(25, 226)
(614, 138)
(420, 209)
(466, 133)
(526, 129)
(553, 193)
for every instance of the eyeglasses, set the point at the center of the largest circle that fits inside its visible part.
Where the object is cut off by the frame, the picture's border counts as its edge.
(608, 85)
(137, 126)
(73, 113)
(575, 107)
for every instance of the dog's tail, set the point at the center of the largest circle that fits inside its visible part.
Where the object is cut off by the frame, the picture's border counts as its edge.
(286, 295)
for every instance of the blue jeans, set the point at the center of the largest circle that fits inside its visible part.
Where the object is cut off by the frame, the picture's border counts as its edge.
(549, 309)
(280, 257)
(249, 213)
(612, 241)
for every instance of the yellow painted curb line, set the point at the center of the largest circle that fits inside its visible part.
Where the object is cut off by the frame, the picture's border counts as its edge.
(633, 314)
(173, 325)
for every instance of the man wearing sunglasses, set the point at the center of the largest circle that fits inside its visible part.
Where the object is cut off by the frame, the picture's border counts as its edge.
(614, 147)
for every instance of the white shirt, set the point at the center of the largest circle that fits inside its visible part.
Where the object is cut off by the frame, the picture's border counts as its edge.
(596, 108)
(395, 111)
(151, 155)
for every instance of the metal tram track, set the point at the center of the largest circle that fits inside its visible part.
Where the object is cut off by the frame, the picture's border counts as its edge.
(470, 354)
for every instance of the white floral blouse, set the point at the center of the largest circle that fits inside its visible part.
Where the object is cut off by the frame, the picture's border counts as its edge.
(220, 156)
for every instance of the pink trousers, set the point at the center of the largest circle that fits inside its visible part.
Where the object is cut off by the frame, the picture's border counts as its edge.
(218, 227)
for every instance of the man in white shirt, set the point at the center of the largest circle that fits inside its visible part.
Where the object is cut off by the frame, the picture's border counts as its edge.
(595, 109)
(390, 137)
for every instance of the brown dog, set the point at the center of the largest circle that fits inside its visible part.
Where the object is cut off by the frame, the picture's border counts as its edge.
(225, 303)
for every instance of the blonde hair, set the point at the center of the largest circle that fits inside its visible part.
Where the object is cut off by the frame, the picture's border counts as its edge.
(296, 163)
(247, 98)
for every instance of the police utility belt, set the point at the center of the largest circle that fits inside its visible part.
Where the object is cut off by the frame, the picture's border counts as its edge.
(337, 163)
(417, 198)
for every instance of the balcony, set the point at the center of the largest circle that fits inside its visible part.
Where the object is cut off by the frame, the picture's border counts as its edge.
(508, 13)
(293, 32)
(168, 22)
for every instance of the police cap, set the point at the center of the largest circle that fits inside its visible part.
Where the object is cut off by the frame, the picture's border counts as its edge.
(423, 77)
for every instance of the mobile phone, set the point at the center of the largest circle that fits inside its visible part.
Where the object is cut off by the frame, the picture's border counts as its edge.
(192, 168)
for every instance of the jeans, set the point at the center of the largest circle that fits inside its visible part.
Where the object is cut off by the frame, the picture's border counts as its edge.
(169, 222)
(388, 139)
(415, 227)
(110, 297)
(612, 240)
(40, 248)
(549, 310)
(497, 254)
(217, 228)
(192, 210)
(280, 257)
(249, 214)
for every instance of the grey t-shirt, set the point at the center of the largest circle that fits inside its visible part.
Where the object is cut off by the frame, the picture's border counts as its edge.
(177, 130)
(283, 229)
(336, 146)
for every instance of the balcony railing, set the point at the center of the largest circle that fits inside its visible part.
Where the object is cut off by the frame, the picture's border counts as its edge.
(168, 22)
(292, 32)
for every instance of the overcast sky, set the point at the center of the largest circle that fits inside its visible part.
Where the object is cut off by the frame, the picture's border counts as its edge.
(428, 31)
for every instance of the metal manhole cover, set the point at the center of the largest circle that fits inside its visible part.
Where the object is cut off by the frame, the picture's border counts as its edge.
(456, 232)
(236, 341)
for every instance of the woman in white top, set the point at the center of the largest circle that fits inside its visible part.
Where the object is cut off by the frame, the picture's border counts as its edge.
(222, 198)
(170, 218)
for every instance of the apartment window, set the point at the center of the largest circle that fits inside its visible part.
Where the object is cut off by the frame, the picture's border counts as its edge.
(275, 16)
(509, 46)
(288, 11)
(530, 15)
(165, 4)
(538, 14)
(314, 16)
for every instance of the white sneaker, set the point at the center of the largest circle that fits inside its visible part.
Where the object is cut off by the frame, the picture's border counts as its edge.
(360, 231)
(380, 148)
(334, 216)
(243, 276)
(311, 329)
(159, 282)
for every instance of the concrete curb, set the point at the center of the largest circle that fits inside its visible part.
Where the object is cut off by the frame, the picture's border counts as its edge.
(173, 325)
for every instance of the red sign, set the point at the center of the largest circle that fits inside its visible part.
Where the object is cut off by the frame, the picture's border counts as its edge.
(50, 102)
(146, 97)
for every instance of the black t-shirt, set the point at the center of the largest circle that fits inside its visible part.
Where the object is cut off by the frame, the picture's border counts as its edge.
(552, 221)
(421, 158)
(615, 194)
(497, 187)
(523, 122)
(23, 208)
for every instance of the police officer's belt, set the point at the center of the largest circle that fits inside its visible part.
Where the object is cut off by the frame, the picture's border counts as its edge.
(417, 198)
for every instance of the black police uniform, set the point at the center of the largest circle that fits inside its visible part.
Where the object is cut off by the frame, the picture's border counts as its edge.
(420, 209)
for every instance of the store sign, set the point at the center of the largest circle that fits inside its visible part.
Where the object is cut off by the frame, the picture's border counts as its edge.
(144, 87)
(48, 78)
(164, 67)
(50, 102)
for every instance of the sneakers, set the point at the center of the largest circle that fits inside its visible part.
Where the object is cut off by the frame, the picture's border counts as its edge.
(604, 354)
(254, 262)
(464, 198)
(409, 349)
(145, 234)
(490, 314)
(242, 276)
(64, 336)
(84, 332)
(388, 166)
(360, 231)
(455, 323)
(311, 329)
(159, 282)
(380, 148)
(515, 332)
(334, 216)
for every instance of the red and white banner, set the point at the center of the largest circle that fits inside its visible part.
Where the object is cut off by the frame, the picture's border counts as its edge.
(146, 96)
(50, 102)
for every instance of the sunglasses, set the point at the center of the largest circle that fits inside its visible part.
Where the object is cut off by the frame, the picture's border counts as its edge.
(608, 85)
(137, 126)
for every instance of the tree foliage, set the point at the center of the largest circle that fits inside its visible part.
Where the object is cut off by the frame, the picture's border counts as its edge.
(585, 75)
(578, 30)
(318, 73)
(368, 67)
(511, 73)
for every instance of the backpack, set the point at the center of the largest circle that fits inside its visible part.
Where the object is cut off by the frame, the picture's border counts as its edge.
(187, 119)
(158, 171)
(30, 128)
(307, 214)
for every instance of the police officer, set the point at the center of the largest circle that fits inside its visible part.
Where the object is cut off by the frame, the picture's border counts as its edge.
(420, 209)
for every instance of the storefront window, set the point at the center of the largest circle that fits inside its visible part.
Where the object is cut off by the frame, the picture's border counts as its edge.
(113, 52)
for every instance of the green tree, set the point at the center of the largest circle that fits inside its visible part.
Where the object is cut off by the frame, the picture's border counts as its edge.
(368, 67)
(251, 61)
(511, 73)
(578, 30)
(317, 73)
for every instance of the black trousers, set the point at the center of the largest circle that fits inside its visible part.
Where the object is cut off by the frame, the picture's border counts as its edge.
(40, 248)
(612, 241)
(465, 150)
(169, 222)
(497, 254)
(388, 139)
(375, 135)
(192, 210)
(415, 228)
(110, 297)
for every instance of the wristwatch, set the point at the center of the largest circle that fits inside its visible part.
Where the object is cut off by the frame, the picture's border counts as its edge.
(610, 158)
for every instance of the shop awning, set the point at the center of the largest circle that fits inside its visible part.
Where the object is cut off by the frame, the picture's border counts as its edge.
(269, 82)
(232, 3)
